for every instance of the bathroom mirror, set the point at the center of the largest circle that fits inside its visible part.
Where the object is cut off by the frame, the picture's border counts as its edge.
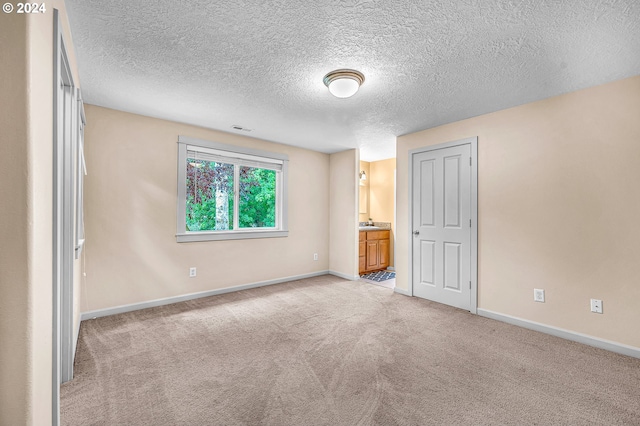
(364, 200)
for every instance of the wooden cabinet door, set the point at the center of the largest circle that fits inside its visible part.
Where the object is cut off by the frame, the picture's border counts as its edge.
(372, 255)
(383, 253)
(362, 250)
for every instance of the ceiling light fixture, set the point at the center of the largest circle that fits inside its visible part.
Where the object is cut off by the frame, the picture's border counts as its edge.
(343, 83)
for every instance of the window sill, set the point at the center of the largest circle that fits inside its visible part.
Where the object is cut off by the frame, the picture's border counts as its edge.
(231, 235)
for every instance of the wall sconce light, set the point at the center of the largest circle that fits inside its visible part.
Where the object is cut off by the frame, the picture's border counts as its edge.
(343, 83)
(363, 175)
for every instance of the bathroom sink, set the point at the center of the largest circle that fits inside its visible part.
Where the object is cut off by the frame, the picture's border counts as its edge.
(370, 228)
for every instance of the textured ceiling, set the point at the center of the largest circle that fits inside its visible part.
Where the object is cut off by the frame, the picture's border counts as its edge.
(259, 64)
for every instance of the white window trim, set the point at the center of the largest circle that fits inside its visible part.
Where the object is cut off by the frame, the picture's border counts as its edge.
(184, 236)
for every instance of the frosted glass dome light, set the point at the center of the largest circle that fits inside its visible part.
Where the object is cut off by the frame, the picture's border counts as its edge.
(343, 83)
(343, 87)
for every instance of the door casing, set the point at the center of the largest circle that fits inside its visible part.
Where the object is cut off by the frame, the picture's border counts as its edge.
(65, 118)
(473, 141)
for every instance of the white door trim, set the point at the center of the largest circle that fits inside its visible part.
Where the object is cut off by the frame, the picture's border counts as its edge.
(473, 141)
(65, 110)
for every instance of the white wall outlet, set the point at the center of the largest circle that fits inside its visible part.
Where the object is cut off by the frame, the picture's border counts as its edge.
(596, 306)
(192, 272)
(538, 295)
(315, 256)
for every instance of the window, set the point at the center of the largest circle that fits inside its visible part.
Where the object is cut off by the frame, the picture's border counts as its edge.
(228, 192)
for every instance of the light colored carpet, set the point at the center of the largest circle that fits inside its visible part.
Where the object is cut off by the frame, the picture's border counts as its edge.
(326, 351)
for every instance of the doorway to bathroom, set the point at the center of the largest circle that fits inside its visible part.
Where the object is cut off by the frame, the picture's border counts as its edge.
(377, 212)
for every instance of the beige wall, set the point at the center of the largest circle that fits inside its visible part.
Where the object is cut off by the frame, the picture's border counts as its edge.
(558, 208)
(26, 43)
(16, 318)
(130, 196)
(382, 195)
(343, 206)
(363, 192)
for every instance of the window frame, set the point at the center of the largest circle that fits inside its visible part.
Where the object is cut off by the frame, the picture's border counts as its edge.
(281, 229)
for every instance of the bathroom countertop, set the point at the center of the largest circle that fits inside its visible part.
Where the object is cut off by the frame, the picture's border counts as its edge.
(372, 228)
(377, 226)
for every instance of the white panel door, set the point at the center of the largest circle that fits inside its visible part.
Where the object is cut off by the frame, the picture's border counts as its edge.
(442, 225)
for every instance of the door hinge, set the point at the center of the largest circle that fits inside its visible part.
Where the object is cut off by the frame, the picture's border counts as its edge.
(470, 160)
(469, 223)
(469, 285)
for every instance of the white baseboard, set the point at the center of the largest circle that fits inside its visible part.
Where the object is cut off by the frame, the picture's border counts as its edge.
(565, 334)
(345, 276)
(402, 291)
(175, 299)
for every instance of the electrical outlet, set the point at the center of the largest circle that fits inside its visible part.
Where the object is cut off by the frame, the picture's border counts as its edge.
(192, 272)
(596, 306)
(538, 295)
(315, 256)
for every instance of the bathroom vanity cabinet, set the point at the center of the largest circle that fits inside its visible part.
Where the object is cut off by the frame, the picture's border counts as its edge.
(374, 250)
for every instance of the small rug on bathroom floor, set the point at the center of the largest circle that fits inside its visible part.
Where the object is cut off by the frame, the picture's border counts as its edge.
(379, 276)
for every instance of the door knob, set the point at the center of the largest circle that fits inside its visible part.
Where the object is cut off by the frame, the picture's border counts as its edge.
(416, 232)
